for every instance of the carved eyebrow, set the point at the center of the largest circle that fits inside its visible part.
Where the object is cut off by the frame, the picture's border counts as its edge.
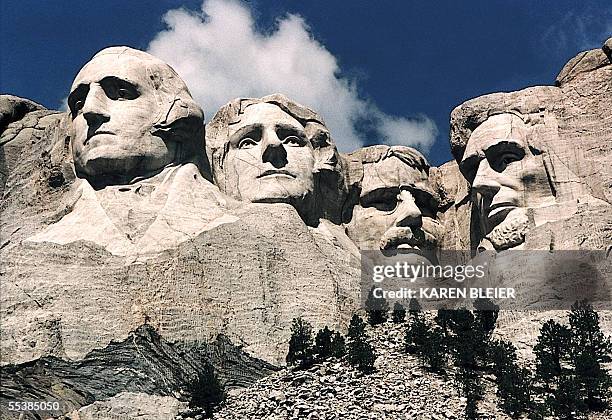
(378, 193)
(118, 80)
(289, 127)
(504, 146)
(244, 131)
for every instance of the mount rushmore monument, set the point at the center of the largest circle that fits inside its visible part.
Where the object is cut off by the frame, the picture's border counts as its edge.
(140, 241)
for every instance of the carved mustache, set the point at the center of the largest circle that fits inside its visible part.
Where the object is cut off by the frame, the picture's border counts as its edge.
(413, 236)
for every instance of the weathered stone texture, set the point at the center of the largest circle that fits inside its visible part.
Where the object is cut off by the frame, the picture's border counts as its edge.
(569, 128)
(87, 318)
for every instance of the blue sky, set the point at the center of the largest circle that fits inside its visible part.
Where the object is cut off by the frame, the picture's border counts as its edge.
(400, 66)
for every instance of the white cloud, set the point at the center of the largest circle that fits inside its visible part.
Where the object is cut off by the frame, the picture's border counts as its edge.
(222, 55)
(63, 104)
(578, 31)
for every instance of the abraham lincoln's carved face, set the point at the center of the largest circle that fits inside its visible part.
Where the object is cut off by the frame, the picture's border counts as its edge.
(506, 177)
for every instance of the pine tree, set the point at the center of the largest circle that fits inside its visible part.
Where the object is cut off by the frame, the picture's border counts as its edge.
(501, 355)
(414, 307)
(463, 345)
(442, 319)
(586, 333)
(592, 380)
(485, 318)
(471, 388)
(338, 345)
(323, 343)
(566, 400)
(589, 348)
(514, 389)
(208, 392)
(552, 350)
(300, 344)
(416, 334)
(514, 384)
(433, 349)
(360, 353)
(376, 308)
(465, 340)
(485, 314)
(399, 313)
(356, 327)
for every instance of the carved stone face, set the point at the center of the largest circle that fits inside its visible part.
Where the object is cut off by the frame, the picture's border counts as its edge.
(396, 209)
(114, 107)
(269, 160)
(506, 178)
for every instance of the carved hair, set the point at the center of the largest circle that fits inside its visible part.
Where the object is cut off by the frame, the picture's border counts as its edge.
(531, 105)
(377, 153)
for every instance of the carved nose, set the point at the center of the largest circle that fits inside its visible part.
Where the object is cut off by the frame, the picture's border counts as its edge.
(273, 150)
(408, 213)
(94, 108)
(485, 182)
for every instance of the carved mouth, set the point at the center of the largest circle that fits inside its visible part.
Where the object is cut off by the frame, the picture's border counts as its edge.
(276, 173)
(407, 239)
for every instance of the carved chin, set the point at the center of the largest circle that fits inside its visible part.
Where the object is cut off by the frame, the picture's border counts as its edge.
(276, 191)
(511, 232)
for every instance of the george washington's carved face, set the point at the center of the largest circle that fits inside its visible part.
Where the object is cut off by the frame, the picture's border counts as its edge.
(269, 159)
(506, 178)
(114, 106)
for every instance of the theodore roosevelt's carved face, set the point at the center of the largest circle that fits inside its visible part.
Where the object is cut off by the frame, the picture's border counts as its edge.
(397, 208)
(114, 104)
(269, 159)
(506, 179)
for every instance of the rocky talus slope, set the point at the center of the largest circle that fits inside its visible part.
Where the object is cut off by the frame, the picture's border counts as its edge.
(399, 389)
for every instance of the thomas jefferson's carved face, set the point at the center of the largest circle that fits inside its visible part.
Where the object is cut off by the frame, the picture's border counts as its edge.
(269, 159)
(114, 107)
(396, 209)
(506, 178)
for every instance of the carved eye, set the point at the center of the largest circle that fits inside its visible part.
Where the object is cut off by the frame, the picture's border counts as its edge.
(384, 199)
(387, 205)
(290, 136)
(293, 141)
(76, 100)
(506, 159)
(427, 203)
(246, 143)
(123, 93)
(118, 89)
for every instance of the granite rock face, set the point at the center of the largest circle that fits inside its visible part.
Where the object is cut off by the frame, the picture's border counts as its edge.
(140, 249)
(540, 156)
(537, 162)
(90, 256)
